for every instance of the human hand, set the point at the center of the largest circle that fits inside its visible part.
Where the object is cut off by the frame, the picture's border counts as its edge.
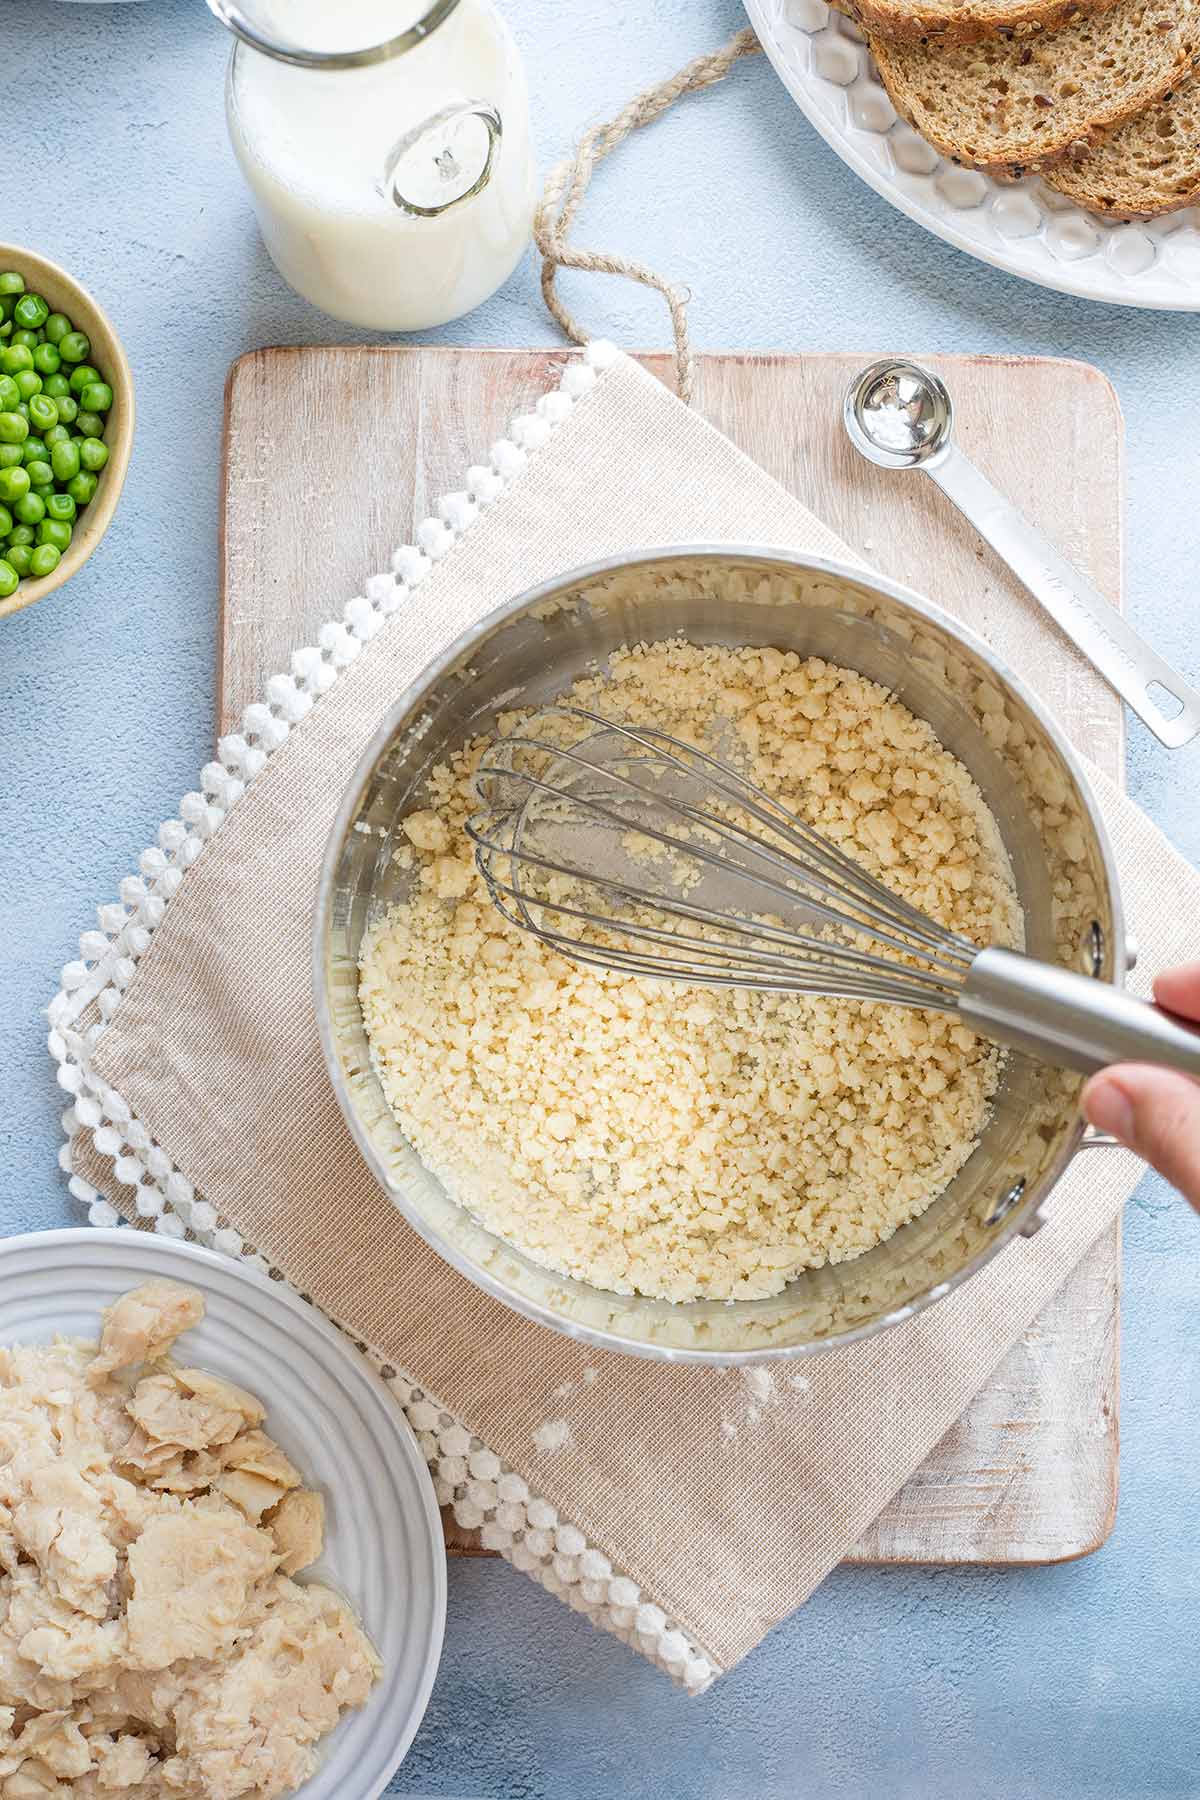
(1156, 1111)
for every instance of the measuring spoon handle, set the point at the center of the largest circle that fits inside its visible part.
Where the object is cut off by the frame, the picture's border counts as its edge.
(1124, 659)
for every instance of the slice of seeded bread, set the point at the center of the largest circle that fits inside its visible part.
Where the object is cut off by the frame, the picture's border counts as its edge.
(963, 21)
(1151, 165)
(1015, 105)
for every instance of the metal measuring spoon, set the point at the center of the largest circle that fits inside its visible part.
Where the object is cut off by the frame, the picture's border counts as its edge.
(899, 416)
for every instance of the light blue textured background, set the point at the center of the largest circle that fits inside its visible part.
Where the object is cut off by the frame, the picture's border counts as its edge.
(1070, 1682)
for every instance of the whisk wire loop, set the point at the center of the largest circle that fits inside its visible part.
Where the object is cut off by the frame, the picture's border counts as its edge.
(844, 873)
(835, 878)
(661, 861)
(732, 964)
(657, 797)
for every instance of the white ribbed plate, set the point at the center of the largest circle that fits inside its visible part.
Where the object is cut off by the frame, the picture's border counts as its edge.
(332, 1416)
(1024, 227)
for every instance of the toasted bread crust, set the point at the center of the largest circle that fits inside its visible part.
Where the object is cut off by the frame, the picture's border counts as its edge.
(1149, 167)
(1018, 107)
(927, 22)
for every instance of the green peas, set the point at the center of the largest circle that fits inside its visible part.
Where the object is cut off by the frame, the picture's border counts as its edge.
(31, 311)
(53, 403)
(30, 509)
(43, 413)
(60, 508)
(44, 561)
(83, 487)
(14, 486)
(65, 461)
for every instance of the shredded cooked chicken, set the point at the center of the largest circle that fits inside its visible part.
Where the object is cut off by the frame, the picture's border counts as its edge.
(152, 1641)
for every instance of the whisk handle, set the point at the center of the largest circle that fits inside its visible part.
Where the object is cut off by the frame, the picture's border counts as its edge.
(1070, 1020)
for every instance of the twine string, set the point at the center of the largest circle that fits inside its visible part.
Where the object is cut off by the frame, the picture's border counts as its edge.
(568, 183)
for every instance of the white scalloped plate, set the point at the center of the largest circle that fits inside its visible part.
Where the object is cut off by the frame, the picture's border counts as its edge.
(334, 1418)
(1025, 228)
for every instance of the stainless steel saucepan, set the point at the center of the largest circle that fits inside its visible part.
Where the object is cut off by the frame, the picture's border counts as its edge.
(526, 653)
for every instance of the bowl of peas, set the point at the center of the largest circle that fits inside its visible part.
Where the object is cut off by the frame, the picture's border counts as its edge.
(66, 426)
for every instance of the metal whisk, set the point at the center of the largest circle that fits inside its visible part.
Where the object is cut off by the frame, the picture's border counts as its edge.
(627, 848)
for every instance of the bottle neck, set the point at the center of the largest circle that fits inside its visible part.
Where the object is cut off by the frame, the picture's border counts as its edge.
(254, 27)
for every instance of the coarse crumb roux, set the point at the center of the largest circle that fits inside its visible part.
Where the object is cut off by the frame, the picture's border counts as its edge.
(685, 1142)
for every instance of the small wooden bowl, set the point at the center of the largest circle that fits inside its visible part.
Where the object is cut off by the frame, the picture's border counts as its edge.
(65, 295)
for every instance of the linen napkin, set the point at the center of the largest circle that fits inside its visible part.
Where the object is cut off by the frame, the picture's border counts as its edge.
(688, 1509)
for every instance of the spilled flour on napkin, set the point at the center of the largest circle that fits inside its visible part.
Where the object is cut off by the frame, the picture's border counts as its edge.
(682, 1142)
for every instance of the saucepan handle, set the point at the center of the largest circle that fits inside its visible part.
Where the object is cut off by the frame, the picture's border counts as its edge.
(1070, 1020)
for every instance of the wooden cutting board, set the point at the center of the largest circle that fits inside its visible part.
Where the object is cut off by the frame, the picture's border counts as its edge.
(333, 456)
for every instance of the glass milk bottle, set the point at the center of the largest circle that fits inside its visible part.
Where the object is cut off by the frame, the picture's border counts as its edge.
(386, 146)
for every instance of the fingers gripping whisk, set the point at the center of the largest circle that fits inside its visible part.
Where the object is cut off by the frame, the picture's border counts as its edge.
(627, 848)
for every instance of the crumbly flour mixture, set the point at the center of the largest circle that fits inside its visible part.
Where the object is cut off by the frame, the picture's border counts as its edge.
(684, 1142)
(152, 1641)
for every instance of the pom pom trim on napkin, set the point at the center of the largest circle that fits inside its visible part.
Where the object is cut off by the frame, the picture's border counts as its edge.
(469, 1477)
